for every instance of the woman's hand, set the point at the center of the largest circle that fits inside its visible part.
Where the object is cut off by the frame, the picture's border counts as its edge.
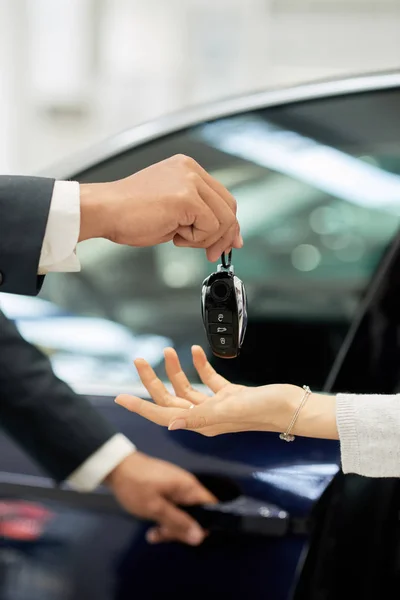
(232, 408)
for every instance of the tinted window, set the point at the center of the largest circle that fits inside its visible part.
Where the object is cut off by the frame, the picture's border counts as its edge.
(318, 189)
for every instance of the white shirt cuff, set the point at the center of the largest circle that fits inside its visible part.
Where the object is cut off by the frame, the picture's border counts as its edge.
(62, 230)
(96, 468)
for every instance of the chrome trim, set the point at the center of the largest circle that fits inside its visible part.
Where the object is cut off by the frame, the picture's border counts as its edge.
(203, 299)
(172, 123)
(229, 269)
(242, 308)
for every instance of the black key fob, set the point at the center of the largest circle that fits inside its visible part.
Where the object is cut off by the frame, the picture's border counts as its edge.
(224, 310)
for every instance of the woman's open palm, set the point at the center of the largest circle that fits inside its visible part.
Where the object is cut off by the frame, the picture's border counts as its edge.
(232, 408)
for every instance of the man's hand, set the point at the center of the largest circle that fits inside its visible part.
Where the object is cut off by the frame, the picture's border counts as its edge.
(151, 488)
(175, 199)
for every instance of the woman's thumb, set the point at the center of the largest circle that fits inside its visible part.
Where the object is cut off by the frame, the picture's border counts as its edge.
(194, 420)
(177, 424)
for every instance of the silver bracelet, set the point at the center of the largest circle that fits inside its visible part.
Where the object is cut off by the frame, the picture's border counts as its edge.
(287, 436)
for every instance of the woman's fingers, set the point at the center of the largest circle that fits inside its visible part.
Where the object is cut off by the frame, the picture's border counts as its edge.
(206, 373)
(185, 394)
(173, 418)
(156, 388)
(179, 381)
(188, 409)
(200, 418)
(161, 415)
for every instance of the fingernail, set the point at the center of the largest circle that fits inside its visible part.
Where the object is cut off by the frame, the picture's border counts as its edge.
(178, 424)
(152, 536)
(195, 536)
(241, 242)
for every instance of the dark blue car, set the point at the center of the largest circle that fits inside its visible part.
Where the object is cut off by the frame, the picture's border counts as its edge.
(316, 173)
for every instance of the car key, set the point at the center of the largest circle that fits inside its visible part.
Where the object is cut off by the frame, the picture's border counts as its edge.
(224, 310)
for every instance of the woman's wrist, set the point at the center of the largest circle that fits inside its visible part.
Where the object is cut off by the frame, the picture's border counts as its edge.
(279, 403)
(316, 419)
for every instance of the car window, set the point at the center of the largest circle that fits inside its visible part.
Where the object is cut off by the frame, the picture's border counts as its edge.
(318, 191)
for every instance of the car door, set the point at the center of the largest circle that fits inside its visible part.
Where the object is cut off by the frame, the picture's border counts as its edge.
(316, 182)
(354, 548)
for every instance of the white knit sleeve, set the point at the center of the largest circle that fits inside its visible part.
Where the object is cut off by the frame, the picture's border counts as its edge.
(369, 433)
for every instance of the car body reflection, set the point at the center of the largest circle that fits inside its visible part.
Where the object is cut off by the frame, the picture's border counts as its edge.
(82, 349)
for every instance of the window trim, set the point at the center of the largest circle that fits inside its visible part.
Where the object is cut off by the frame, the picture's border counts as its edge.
(173, 123)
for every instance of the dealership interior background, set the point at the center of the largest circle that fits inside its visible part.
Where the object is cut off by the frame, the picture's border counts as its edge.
(75, 71)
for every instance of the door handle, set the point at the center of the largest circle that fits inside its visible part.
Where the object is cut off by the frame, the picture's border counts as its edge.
(247, 516)
(241, 515)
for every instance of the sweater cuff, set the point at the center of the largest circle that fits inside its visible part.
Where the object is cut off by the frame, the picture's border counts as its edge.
(369, 426)
(346, 424)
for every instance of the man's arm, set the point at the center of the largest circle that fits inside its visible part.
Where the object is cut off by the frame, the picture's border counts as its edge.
(41, 221)
(24, 209)
(72, 442)
(58, 428)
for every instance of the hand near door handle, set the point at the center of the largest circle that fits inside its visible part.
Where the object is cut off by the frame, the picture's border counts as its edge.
(246, 516)
(231, 408)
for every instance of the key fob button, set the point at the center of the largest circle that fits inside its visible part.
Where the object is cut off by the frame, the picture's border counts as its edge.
(222, 341)
(221, 329)
(220, 316)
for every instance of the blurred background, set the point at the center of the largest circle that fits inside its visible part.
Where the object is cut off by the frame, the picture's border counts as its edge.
(317, 184)
(75, 71)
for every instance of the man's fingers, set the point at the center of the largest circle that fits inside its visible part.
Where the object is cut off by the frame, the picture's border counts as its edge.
(155, 386)
(238, 241)
(160, 415)
(193, 493)
(197, 235)
(224, 244)
(162, 535)
(225, 215)
(214, 254)
(207, 374)
(157, 535)
(217, 187)
(202, 223)
(179, 381)
(179, 525)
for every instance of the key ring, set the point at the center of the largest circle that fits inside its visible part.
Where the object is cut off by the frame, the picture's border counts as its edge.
(223, 259)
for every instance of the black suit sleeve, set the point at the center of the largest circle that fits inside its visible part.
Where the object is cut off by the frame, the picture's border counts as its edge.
(58, 428)
(24, 210)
